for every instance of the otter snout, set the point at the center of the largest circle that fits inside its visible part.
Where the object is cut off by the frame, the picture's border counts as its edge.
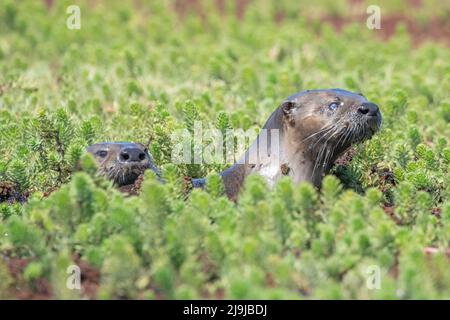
(370, 115)
(131, 154)
(122, 162)
(369, 109)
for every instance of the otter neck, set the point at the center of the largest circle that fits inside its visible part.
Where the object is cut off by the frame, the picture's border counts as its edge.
(300, 161)
(285, 156)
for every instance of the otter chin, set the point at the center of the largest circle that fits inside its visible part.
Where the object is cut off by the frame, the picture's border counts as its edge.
(122, 162)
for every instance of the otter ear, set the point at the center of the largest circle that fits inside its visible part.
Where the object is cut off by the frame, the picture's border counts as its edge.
(287, 107)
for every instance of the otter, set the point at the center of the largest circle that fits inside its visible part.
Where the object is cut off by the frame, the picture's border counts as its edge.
(122, 162)
(312, 129)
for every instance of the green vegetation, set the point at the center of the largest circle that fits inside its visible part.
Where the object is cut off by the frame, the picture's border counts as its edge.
(137, 72)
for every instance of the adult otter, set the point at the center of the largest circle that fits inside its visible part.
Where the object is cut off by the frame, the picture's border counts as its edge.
(312, 129)
(122, 162)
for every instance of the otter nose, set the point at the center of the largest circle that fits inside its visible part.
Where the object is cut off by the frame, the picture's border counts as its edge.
(131, 155)
(368, 108)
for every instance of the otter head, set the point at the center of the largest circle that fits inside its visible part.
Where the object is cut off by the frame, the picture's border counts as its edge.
(121, 162)
(324, 123)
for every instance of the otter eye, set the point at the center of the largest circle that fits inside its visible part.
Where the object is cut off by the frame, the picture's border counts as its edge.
(333, 106)
(102, 153)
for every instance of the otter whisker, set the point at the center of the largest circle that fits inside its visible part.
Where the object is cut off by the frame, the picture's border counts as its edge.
(324, 136)
(341, 137)
(319, 158)
(348, 135)
(327, 151)
(326, 128)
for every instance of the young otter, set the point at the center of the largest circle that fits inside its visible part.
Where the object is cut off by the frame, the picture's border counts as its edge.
(122, 162)
(313, 128)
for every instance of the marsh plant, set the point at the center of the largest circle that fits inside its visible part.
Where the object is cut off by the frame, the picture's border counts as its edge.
(379, 226)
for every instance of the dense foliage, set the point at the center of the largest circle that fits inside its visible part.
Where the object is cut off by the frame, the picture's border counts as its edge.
(137, 72)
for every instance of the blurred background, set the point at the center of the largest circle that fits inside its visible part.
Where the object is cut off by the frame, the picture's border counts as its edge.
(139, 70)
(424, 19)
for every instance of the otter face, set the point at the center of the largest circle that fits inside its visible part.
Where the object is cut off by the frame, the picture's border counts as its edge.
(329, 121)
(121, 162)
